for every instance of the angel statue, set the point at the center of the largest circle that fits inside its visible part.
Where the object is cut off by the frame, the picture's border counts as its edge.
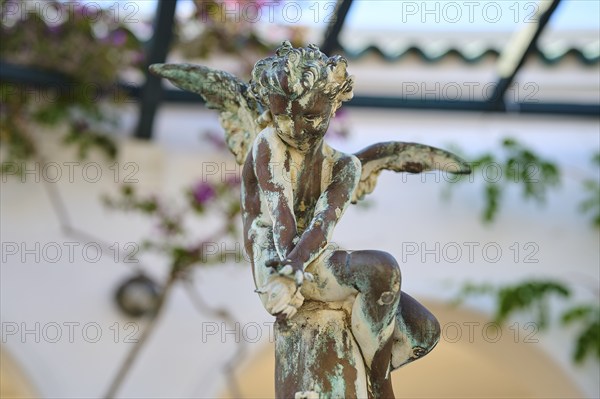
(343, 323)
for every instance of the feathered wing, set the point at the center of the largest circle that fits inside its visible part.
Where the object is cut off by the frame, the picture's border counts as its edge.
(238, 110)
(403, 157)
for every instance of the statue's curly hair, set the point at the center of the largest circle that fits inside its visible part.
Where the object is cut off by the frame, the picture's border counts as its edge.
(294, 71)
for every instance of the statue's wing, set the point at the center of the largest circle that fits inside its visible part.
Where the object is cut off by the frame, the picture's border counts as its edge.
(238, 110)
(403, 157)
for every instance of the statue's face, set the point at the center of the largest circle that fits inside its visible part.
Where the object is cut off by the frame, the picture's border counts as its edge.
(302, 122)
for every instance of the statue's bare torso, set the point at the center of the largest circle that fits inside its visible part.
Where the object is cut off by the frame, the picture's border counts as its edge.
(302, 179)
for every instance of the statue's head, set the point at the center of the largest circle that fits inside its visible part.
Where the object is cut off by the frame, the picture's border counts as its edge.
(294, 72)
(302, 88)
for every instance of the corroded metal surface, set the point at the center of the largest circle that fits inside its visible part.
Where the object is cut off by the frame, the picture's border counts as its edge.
(343, 323)
(315, 350)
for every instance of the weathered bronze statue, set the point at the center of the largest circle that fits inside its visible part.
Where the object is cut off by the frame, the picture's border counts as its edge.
(342, 322)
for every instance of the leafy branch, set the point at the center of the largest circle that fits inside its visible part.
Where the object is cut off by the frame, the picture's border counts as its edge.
(83, 55)
(202, 199)
(532, 297)
(515, 165)
(592, 187)
(588, 339)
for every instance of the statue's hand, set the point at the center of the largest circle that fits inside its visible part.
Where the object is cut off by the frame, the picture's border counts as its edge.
(291, 269)
(282, 296)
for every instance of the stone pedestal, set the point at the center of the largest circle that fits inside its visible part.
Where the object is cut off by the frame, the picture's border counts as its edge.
(316, 356)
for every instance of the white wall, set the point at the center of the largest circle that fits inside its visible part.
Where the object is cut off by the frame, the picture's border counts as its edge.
(176, 362)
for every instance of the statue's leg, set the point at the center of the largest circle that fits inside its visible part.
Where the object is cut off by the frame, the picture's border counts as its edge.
(376, 277)
(416, 332)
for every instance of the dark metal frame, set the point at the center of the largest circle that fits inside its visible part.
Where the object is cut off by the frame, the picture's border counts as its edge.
(152, 93)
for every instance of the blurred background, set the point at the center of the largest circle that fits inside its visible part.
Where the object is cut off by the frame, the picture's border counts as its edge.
(123, 273)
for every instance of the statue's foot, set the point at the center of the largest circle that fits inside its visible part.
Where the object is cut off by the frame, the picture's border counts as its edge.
(416, 333)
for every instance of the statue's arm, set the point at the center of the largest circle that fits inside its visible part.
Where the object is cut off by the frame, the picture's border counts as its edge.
(275, 188)
(329, 209)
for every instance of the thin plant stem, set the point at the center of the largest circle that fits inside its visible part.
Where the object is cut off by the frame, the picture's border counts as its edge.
(135, 351)
(231, 364)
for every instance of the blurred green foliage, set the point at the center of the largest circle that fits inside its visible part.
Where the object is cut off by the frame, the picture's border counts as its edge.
(532, 297)
(513, 165)
(83, 53)
(517, 165)
(206, 199)
(592, 187)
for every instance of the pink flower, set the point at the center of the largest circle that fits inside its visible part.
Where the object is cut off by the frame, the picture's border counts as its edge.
(118, 37)
(203, 192)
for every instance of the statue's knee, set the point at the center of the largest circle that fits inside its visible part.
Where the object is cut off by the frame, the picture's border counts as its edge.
(376, 273)
(387, 270)
(385, 277)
